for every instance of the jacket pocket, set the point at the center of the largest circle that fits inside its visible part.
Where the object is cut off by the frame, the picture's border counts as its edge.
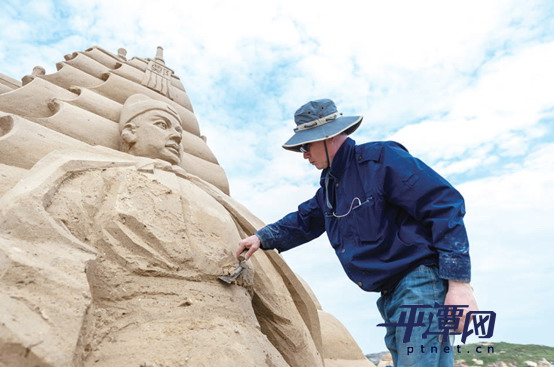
(366, 220)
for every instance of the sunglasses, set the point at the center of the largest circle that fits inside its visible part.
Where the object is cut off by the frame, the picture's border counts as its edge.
(305, 148)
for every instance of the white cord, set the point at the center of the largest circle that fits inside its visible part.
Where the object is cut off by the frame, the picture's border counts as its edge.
(351, 207)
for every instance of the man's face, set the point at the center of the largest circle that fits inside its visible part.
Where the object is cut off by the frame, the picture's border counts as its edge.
(158, 135)
(316, 154)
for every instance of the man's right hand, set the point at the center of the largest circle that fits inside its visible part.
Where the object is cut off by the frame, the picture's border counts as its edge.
(252, 244)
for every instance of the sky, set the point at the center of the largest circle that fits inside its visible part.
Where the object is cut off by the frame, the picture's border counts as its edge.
(466, 86)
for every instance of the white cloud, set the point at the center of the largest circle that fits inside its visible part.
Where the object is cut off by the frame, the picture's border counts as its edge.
(504, 110)
(509, 223)
(39, 9)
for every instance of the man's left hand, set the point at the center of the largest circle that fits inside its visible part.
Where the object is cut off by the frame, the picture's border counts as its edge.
(461, 293)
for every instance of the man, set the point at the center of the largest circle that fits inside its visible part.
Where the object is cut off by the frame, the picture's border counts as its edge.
(395, 225)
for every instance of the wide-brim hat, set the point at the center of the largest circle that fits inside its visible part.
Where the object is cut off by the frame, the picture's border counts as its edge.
(319, 120)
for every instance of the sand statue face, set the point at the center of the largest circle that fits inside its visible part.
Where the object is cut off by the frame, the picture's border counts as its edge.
(154, 134)
(150, 128)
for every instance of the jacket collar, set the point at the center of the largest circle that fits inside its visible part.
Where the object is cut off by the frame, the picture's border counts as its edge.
(339, 161)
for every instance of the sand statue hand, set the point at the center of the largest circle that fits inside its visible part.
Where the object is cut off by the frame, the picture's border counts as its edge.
(252, 244)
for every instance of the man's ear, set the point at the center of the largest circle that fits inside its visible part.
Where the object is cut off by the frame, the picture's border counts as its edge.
(128, 135)
(338, 139)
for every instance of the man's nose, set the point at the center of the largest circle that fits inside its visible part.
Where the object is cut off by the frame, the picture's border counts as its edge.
(306, 155)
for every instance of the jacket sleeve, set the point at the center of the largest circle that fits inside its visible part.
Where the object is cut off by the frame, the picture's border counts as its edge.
(430, 199)
(294, 229)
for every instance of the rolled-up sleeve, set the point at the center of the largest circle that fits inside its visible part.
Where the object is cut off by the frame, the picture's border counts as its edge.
(294, 229)
(430, 199)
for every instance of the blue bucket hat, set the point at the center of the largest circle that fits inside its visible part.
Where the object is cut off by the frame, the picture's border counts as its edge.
(319, 120)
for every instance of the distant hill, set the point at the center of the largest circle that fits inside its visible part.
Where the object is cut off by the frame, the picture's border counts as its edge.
(376, 357)
(496, 355)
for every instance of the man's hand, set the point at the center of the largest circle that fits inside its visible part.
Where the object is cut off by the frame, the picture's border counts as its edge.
(252, 244)
(461, 293)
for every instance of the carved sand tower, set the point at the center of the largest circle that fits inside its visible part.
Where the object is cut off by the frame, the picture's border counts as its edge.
(83, 100)
(112, 259)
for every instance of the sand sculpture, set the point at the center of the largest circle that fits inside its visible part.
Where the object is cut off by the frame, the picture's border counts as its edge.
(115, 222)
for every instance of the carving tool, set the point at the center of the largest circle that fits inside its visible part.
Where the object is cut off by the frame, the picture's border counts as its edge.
(238, 270)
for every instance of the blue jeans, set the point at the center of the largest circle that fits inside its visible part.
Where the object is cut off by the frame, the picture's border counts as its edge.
(422, 286)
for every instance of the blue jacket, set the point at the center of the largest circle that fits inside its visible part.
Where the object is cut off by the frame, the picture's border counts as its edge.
(385, 212)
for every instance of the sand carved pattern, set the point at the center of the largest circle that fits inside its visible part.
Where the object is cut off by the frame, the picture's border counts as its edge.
(158, 77)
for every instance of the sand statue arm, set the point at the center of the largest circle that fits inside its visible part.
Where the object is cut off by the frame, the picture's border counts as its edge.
(38, 251)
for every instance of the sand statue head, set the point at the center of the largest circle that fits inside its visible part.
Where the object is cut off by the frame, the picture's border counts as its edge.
(150, 128)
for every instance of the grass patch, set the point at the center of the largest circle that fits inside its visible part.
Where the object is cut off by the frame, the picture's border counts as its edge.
(514, 354)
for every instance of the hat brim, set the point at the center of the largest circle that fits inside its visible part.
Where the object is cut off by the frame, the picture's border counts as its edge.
(347, 124)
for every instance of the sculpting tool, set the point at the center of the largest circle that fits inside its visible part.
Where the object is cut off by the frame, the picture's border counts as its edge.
(238, 270)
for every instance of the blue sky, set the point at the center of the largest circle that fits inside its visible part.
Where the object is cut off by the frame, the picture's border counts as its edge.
(466, 86)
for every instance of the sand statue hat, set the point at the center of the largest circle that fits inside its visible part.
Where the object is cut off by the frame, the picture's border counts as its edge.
(138, 104)
(319, 120)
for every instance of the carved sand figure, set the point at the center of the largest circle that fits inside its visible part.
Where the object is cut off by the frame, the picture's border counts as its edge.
(112, 259)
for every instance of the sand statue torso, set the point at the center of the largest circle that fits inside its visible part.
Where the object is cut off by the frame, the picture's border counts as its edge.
(161, 243)
(130, 245)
